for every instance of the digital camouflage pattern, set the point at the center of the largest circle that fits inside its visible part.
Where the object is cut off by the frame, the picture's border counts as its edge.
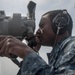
(61, 60)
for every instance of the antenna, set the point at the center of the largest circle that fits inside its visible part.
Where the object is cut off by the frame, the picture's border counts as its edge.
(31, 10)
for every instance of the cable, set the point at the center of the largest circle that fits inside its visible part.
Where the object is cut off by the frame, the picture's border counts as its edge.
(58, 29)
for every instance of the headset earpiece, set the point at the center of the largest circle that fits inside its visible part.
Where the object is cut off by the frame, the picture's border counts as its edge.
(60, 23)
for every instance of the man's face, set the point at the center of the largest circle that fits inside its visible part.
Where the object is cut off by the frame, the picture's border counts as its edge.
(45, 32)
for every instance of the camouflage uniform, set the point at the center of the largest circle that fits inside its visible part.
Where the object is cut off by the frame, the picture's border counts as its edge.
(61, 60)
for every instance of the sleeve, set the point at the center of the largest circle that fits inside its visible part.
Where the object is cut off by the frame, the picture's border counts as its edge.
(33, 64)
(65, 65)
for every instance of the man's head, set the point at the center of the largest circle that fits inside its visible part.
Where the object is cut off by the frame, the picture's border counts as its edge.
(56, 22)
(60, 16)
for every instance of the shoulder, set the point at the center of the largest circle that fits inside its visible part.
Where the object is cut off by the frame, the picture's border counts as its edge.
(67, 56)
(67, 50)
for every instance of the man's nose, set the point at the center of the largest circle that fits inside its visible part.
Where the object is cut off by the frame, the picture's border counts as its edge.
(39, 31)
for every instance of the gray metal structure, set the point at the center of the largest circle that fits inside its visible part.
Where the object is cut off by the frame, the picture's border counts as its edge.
(17, 25)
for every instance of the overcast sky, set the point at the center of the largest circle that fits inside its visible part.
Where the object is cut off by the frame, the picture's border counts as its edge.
(20, 6)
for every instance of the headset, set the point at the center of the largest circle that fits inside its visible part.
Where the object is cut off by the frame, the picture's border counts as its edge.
(60, 22)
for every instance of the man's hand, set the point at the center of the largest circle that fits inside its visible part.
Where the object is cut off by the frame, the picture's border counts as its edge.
(37, 47)
(11, 45)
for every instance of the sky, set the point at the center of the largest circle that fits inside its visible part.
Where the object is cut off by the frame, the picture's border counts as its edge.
(20, 6)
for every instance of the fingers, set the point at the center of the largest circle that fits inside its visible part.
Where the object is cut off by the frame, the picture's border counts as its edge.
(2, 47)
(11, 45)
(5, 45)
(2, 41)
(15, 50)
(2, 37)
